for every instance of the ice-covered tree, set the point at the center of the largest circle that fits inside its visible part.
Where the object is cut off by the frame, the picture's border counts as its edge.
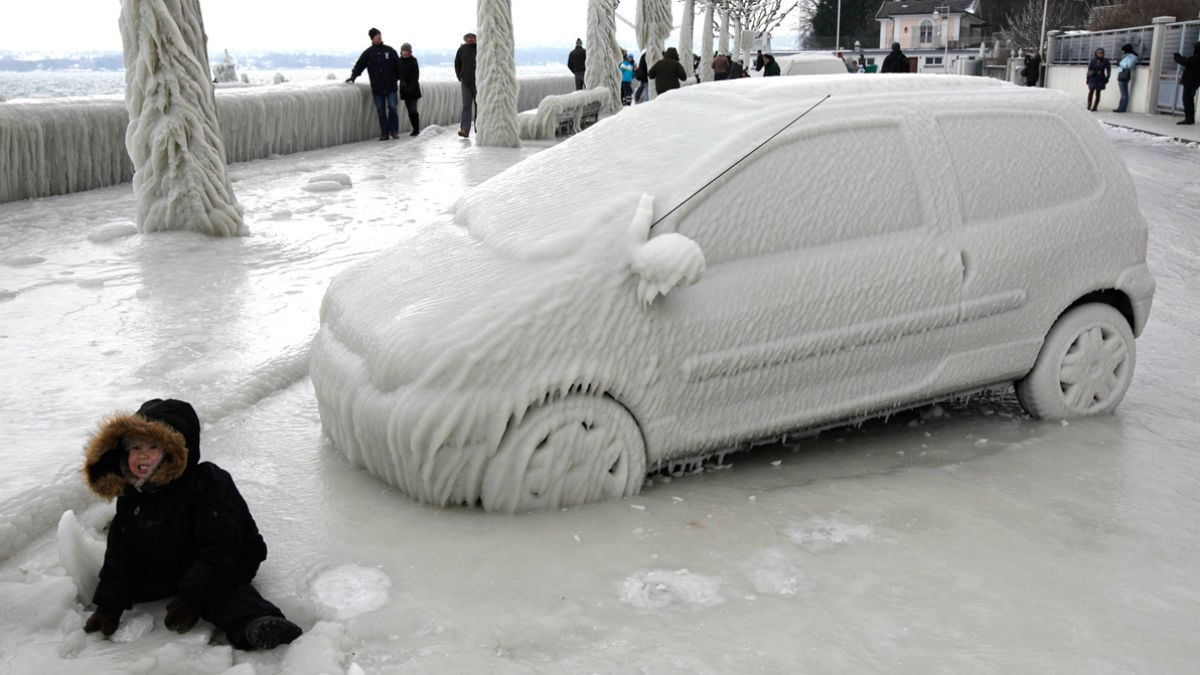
(603, 53)
(723, 40)
(173, 137)
(653, 27)
(496, 82)
(686, 31)
(706, 45)
(761, 16)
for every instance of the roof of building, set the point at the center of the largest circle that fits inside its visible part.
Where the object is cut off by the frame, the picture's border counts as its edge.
(892, 8)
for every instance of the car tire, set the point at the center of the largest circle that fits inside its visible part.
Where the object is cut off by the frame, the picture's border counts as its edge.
(572, 450)
(1084, 367)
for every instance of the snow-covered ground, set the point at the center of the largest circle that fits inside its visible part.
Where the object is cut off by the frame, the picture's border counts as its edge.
(963, 537)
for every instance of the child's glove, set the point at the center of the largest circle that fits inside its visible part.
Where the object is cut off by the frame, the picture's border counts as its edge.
(181, 615)
(103, 620)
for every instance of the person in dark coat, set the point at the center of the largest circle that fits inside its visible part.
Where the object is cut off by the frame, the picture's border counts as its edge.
(770, 66)
(577, 62)
(464, 70)
(382, 65)
(1033, 69)
(410, 86)
(759, 61)
(895, 61)
(181, 530)
(667, 72)
(642, 94)
(1190, 81)
(1098, 71)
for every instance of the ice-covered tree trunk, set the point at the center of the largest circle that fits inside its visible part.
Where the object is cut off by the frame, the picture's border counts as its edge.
(173, 137)
(653, 27)
(706, 45)
(686, 29)
(603, 52)
(724, 42)
(496, 79)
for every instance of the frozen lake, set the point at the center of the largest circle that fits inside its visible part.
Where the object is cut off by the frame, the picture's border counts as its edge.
(963, 537)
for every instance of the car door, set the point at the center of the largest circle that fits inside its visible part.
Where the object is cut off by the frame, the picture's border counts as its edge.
(828, 292)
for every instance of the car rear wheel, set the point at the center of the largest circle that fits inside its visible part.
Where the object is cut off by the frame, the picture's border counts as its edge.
(1084, 367)
(573, 450)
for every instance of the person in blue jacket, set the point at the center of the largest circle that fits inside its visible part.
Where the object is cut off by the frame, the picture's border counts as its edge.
(1125, 74)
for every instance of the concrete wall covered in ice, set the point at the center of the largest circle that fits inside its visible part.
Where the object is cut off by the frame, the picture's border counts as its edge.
(56, 146)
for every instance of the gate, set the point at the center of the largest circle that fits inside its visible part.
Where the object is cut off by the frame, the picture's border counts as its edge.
(1178, 37)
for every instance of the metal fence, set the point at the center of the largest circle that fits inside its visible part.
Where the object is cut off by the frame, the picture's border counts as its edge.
(1178, 37)
(1078, 49)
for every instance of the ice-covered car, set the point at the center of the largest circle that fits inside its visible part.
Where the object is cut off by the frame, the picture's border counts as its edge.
(811, 64)
(732, 262)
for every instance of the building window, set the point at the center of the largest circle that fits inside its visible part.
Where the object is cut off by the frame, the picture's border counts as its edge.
(933, 60)
(926, 31)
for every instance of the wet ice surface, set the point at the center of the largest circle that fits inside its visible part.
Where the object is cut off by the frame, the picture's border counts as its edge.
(958, 538)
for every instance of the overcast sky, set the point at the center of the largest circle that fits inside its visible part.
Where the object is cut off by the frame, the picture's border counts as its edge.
(76, 25)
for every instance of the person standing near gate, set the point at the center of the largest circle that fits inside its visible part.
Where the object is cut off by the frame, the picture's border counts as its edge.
(382, 64)
(1190, 81)
(1125, 75)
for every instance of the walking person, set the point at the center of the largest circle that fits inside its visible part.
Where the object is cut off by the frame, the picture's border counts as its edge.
(464, 70)
(643, 90)
(1125, 75)
(181, 530)
(720, 66)
(382, 64)
(1098, 71)
(895, 61)
(1190, 81)
(627, 68)
(577, 62)
(410, 86)
(667, 72)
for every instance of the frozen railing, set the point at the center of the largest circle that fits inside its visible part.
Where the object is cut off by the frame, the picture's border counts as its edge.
(57, 146)
(1077, 49)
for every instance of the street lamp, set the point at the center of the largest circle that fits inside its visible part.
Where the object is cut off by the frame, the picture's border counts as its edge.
(945, 13)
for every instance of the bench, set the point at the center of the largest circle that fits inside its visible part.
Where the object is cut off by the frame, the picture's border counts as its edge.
(563, 115)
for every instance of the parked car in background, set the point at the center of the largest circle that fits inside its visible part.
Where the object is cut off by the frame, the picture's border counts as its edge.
(759, 257)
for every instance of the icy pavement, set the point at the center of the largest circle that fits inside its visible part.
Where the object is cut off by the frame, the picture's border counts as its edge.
(956, 538)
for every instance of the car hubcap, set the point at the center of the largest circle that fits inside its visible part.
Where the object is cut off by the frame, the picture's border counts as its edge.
(1093, 368)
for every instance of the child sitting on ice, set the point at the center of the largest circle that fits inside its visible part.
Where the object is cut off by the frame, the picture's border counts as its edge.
(182, 529)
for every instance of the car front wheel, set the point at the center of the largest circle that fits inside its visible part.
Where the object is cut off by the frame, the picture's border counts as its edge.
(1084, 367)
(573, 450)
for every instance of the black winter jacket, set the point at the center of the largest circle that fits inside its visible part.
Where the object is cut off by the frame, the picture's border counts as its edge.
(464, 64)
(188, 531)
(410, 79)
(1191, 67)
(382, 64)
(577, 60)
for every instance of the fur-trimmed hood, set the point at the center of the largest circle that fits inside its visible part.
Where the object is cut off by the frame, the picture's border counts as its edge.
(171, 424)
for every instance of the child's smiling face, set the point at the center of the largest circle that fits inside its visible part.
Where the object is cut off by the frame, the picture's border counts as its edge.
(144, 457)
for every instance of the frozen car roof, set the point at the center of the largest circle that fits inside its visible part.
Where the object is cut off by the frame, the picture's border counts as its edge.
(549, 203)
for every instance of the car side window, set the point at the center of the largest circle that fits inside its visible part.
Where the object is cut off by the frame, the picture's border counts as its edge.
(821, 186)
(1011, 163)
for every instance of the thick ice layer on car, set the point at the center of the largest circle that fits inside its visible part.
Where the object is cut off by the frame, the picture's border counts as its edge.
(543, 288)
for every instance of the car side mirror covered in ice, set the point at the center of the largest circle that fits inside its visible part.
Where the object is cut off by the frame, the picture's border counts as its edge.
(664, 262)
